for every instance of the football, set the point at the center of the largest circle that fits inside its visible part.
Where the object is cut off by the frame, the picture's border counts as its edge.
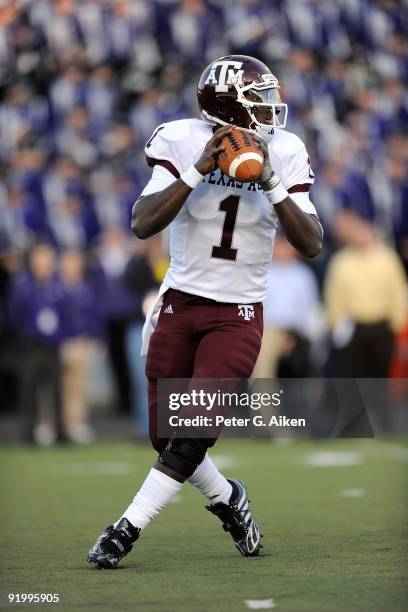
(243, 157)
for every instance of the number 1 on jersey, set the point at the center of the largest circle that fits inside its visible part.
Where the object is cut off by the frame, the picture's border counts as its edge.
(224, 250)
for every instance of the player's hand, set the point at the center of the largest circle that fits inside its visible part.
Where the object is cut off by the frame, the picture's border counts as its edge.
(267, 172)
(208, 158)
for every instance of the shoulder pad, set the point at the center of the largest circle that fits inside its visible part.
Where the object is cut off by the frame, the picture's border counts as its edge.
(177, 144)
(288, 143)
(297, 175)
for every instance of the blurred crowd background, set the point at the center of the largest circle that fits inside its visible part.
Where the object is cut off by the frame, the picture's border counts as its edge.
(83, 84)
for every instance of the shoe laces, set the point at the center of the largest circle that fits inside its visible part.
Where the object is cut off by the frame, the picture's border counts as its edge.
(232, 518)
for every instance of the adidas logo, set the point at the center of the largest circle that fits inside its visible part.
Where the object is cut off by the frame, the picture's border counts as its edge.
(169, 309)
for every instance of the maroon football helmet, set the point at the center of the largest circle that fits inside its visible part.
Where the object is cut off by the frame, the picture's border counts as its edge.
(243, 91)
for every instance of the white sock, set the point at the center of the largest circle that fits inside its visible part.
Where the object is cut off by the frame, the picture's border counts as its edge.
(156, 492)
(210, 482)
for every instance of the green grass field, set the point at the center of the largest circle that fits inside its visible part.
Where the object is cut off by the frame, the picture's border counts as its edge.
(326, 548)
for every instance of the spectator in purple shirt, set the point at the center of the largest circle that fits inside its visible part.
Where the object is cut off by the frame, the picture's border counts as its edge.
(36, 309)
(118, 303)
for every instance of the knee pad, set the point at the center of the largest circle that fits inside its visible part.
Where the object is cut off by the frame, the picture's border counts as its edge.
(183, 455)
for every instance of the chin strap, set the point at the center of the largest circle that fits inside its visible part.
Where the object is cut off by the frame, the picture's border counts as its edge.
(266, 133)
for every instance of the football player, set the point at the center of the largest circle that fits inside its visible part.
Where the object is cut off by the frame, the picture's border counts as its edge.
(221, 241)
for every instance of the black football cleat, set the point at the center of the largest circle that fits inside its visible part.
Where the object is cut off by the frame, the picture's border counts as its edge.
(237, 520)
(113, 544)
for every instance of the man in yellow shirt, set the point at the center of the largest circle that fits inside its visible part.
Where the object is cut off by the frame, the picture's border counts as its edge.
(366, 301)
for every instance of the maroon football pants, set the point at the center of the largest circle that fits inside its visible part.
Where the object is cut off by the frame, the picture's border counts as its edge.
(199, 338)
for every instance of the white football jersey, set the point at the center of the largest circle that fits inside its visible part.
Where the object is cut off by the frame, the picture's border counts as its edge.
(221, 241)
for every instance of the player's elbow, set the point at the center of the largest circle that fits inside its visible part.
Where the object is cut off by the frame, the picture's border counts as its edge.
(138, 225)
(140, 229)
(312, 248)
(313, 243)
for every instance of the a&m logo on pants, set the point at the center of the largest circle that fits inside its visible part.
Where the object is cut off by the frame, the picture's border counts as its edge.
(246, 311)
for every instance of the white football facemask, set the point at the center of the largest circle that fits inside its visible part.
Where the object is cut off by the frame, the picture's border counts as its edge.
(269, 99)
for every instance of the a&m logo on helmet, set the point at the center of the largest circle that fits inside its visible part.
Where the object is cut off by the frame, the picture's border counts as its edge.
(228, 73)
